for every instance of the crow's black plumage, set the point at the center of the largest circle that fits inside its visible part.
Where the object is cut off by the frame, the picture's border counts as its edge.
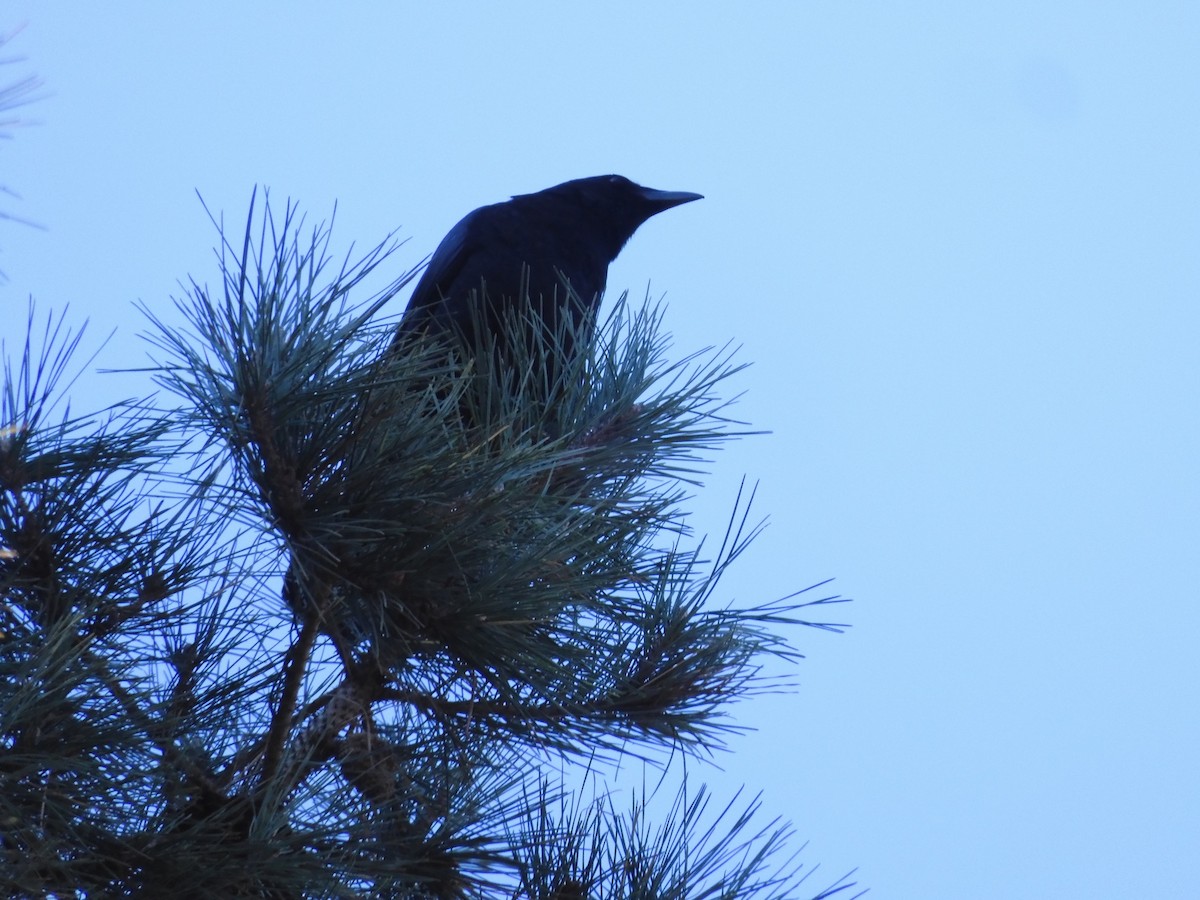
(534, 243)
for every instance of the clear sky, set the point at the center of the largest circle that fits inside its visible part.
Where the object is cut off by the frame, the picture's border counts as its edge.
(959, 244)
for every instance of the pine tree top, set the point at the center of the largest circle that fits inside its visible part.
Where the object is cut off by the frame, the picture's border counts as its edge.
(328, 620)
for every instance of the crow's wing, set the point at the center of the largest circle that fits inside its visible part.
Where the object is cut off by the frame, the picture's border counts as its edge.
(444, 267)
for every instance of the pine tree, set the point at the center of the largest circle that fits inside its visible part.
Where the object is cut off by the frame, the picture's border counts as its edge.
(320, 620)
(14, 94)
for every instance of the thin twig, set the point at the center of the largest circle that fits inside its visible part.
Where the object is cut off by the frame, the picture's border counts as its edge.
(293, 674)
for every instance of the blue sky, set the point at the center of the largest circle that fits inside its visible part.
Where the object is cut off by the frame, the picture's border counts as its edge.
(957, 242)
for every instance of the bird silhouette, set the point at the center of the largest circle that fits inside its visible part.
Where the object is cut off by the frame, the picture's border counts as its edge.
(553, 247)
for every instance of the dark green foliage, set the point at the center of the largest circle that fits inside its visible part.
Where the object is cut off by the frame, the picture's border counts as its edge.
(339, 621)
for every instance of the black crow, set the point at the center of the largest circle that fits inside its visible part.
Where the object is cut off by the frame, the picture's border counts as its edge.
(535, 244)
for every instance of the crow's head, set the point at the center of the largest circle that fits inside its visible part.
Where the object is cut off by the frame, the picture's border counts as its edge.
(613, 205)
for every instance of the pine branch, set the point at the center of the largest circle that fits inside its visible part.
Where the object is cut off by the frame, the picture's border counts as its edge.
(322, 627)
(293, 676)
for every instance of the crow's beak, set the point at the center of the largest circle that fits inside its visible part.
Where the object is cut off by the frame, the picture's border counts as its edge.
(660, 200)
